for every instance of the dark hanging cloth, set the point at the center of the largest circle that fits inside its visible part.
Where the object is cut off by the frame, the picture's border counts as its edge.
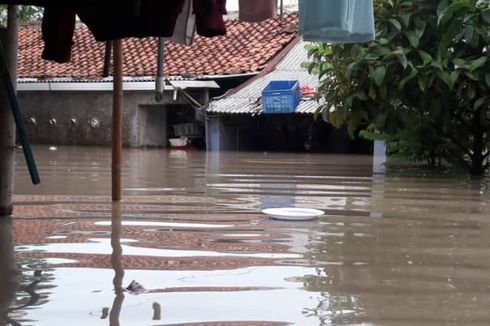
(209, 17)
(257, 10)
(135, 18)
(58, 27)
(110, 19)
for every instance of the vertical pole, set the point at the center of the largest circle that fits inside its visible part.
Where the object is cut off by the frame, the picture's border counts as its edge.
(117, 121)
(7, 125)
(281, 10)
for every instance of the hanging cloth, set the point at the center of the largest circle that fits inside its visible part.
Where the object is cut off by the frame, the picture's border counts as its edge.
(209, 17)
(254, 11)
(132, 18)
(337, 21)
(185, 27)
(58, 27)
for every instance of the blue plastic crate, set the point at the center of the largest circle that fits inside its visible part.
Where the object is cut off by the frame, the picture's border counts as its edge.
(281, 96)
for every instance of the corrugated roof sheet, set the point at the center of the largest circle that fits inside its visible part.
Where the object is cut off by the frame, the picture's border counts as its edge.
(248, 99)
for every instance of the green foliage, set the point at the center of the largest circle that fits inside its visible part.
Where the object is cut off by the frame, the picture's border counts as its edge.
(423, 83)
(26, 13)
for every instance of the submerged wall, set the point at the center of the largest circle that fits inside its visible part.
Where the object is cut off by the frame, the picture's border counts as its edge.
(279, 133)
(85, 118)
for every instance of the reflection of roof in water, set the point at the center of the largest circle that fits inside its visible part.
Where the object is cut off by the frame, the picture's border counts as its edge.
(232, 240)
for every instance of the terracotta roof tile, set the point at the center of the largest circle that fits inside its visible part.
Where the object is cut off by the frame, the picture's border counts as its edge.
(246, 48)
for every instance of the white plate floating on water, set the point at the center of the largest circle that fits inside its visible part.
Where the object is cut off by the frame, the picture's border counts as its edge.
(293, 213)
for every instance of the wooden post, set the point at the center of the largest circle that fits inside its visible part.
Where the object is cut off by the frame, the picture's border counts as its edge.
(117, 121)
(7, 125)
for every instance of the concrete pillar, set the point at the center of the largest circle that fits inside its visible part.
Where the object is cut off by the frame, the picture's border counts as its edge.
(213, 133)
(7, 125)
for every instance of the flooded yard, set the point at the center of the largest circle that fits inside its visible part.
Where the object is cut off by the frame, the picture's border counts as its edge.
(189, 245)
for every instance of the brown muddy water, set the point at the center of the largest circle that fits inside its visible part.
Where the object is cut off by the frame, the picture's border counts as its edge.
(405, 248)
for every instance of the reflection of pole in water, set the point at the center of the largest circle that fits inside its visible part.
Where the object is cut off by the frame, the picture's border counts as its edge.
(116, 261)
(379, 169)
(379, 156)
(8, 272)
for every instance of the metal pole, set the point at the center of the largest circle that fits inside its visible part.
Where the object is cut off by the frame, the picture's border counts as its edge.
(160, 80)
(117, 121)
(7, 125)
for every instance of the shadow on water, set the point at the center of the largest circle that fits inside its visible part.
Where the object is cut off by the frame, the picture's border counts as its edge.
(189, 246)
(8, 271)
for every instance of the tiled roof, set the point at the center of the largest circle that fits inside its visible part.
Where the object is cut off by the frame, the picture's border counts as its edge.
(247, 48)
(247, 99)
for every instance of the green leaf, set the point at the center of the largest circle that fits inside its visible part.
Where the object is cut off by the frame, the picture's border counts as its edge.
(403, 60)
(372, 92)
(454, 76)
(471, 75)
(412, 38)
(487, 78)
(406, 18)
(437, 64)
(475, 64)
(422, 84)
(486, 15)
(350, 69)
(443, 4)
(406, 79)
(420, 27)
(426, 57)
(379, 75)
(446, 78)
(449, 12)
(461, 63)
(471, 91)
(447, 38)
(310, 67)
(396, 24)
(379, 50)
(480, 102)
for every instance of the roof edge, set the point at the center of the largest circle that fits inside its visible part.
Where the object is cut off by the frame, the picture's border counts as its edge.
(271, 66)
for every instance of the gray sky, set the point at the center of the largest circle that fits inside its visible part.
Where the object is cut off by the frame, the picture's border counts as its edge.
(232, 5)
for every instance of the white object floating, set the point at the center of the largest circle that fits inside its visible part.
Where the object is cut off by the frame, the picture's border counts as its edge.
(293, 213)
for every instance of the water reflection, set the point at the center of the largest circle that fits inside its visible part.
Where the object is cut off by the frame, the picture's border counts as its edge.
(8, 271)
(400, 248)
(116, 261)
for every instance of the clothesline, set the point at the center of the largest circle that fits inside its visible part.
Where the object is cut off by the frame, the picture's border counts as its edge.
(334, 21)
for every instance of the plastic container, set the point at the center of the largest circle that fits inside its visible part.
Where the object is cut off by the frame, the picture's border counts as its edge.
(281, 96)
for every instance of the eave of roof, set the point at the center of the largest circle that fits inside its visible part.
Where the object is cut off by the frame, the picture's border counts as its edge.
(246, 99)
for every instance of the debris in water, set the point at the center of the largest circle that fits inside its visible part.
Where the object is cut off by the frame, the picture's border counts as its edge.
(135, 288)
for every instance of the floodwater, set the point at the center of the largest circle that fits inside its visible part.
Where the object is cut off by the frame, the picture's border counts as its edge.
(405, 248)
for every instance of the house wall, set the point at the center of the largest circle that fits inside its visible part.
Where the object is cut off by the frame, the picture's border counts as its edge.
(145, 119)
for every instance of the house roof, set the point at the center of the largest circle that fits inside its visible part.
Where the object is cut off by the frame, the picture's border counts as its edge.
(246, 99)
(247, 48)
